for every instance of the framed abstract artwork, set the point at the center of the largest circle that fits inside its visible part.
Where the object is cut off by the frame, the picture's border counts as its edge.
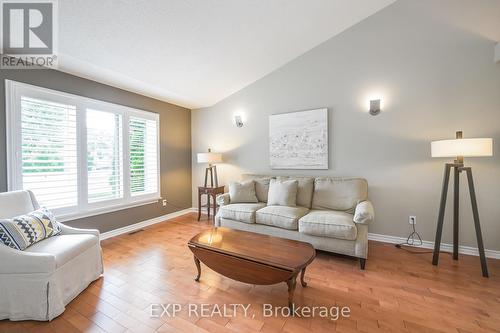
(299, 140)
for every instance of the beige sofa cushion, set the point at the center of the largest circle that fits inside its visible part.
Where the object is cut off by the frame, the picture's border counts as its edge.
(281, 216)
(339, 193)
(244, 212)
(243, 192)
(328, 223)
(304, 190)
(261, 185)
(282, 193)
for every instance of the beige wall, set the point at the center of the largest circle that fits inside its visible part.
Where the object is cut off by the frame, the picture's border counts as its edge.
(175, 143)
(436, 74)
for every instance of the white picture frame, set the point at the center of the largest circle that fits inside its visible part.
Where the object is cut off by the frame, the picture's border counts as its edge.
(299, 140)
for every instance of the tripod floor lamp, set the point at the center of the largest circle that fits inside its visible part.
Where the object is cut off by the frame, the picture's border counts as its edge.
(460, 148)
(211, 159)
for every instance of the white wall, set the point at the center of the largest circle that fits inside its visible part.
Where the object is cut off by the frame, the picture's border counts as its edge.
(497, 53)
(435, 77)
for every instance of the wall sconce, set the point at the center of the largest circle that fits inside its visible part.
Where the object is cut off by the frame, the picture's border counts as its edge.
(375, 107)
(238, 121)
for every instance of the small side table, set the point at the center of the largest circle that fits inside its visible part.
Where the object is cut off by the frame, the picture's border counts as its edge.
(211, 192)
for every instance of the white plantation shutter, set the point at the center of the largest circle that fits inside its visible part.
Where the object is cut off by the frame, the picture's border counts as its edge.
(80, 156)
(49, 154)
(143, 143)
(104, 156)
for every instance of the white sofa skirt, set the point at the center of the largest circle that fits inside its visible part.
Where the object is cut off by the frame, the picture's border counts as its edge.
(43, 296)
(356, 248)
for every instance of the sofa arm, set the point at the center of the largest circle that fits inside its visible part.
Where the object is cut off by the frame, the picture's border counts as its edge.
(364, 213)
(223, 199)
(22, 262)
(67, 230)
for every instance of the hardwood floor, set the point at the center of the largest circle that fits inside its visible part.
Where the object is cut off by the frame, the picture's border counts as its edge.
(398, 291)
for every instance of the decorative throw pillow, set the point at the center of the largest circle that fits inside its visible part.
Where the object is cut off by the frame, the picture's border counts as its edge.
(25, 230)
(282, 193)
(262, 188)
(243, 192)
(304, 189)
(261, 185)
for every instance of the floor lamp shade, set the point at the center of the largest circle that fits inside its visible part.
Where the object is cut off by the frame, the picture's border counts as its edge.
(462, 147)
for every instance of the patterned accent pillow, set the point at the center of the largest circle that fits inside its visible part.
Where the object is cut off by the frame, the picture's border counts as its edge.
(25, 230)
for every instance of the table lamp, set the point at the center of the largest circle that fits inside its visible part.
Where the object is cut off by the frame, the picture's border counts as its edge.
(210, 158)
(460, 148)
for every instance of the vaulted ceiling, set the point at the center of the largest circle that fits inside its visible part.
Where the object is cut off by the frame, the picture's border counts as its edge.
(195, 52)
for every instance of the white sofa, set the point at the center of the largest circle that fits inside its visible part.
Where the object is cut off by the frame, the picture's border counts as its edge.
(332, 214)
(37, 283)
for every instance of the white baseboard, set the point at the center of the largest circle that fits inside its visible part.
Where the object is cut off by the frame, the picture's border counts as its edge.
(143, 224)
(445, 247)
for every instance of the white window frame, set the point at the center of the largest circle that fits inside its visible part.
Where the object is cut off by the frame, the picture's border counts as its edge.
(13, 92)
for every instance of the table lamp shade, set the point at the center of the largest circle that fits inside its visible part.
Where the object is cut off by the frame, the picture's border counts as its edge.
(462, 147)
(209, 158)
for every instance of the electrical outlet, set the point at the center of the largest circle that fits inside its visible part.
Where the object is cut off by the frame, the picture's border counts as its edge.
(412, 219)
(164, 202)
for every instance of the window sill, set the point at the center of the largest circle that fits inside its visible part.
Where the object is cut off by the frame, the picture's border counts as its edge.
(104, 210)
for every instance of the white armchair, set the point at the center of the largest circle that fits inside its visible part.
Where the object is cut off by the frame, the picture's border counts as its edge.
(37, 283)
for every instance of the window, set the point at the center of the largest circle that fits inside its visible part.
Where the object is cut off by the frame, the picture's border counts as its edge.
(104, 156)
(80, 156)
(48, 151)
(143, 157)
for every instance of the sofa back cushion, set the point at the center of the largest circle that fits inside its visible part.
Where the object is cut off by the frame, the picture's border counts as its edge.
(283, 193)
(304, 189)
(243, 192)
(339, 193)
(261, 185)
(22, 231)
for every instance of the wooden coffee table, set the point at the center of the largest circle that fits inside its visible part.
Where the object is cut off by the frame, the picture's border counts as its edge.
(252, 258)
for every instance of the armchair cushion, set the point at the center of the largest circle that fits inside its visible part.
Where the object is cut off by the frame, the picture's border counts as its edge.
(65, 247)
(22, 262)
(25, 230)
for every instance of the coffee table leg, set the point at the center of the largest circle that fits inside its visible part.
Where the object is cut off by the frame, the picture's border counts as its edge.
(197, 262)
(292, 282)
(302, 273)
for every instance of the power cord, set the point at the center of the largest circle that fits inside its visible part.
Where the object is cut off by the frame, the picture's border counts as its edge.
(413, 240)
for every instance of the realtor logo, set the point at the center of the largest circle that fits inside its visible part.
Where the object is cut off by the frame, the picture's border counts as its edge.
(28, 34)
